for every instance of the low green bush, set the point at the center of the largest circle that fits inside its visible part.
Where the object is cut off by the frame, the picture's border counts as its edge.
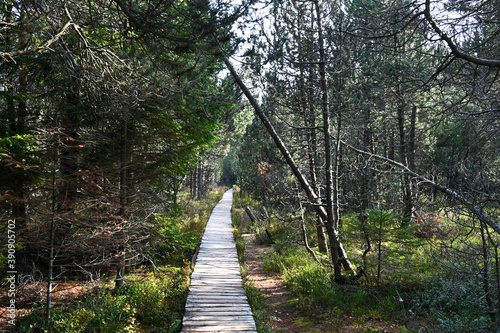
(101, 312)
(105, 313)
(287, 259)
(242, 201)
(311, 282)
(172, 241)
(159, 299)
(260, 313)
(454, 303)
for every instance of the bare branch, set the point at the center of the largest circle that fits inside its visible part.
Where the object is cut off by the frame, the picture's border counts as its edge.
(451, 193)
(45, 46)
(34, 19)
(453, 47)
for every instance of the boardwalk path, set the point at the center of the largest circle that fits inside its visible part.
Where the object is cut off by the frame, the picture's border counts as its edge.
(216, 300)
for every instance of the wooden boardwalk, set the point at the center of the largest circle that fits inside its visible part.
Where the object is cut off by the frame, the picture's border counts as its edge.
(216, 300)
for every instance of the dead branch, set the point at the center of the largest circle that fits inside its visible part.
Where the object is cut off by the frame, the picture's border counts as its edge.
(44, 47)
(449, 192)
(451, 44)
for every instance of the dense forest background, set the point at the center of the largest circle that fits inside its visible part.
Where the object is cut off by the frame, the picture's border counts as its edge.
(368, 129)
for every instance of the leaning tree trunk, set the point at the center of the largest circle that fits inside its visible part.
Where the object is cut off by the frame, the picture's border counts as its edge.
(306, 187)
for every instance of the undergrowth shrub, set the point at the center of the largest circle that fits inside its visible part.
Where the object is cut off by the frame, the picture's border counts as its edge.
(159, 299)
(242, 201)
(312, 283)
(173, 241)
(104, 313)
(301, 275)
(101, 312)
(240, 245)
(455, 304)
(257, 303)
(237, 218)
(314, 286)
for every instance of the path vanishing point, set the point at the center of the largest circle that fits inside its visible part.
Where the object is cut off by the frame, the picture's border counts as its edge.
(216, 301)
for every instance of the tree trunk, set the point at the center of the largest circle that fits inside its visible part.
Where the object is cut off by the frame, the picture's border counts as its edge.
(486, 275)
(119, 281)
(52, 230)
(403, 158)
(197, 181)
(309, 115)
(18, 127)
(333, 216)
(366, 184)
(310, 122)
(194, 183)
(411, 140)
(200, 181)
(68, 158)
(306, 187)
(250, 214)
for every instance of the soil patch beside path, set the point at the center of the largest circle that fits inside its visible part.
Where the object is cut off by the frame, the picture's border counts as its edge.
(287, 317)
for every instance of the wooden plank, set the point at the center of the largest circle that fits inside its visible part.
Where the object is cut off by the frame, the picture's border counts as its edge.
(215, 326)
(216, 301)
(219, 272)
(219, 298)
(213, 288)
(231, 290)
(197, 303)
(235, 323)
(220, 292)
(212, 329)
(229, 308)
(223, 317)
(217, 311)
(216, 279)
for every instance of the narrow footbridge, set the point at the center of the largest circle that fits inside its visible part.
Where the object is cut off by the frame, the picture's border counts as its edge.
(217, 300)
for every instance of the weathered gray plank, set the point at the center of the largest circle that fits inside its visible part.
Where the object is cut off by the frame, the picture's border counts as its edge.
(210, 292)
(217, 311)
(215, 326)
(219, 328)
(219, 298)
(228, 323)
(222, 317)
(216, 300)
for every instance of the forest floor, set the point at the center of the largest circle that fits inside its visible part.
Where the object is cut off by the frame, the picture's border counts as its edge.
(285, 312)
(31, 294)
